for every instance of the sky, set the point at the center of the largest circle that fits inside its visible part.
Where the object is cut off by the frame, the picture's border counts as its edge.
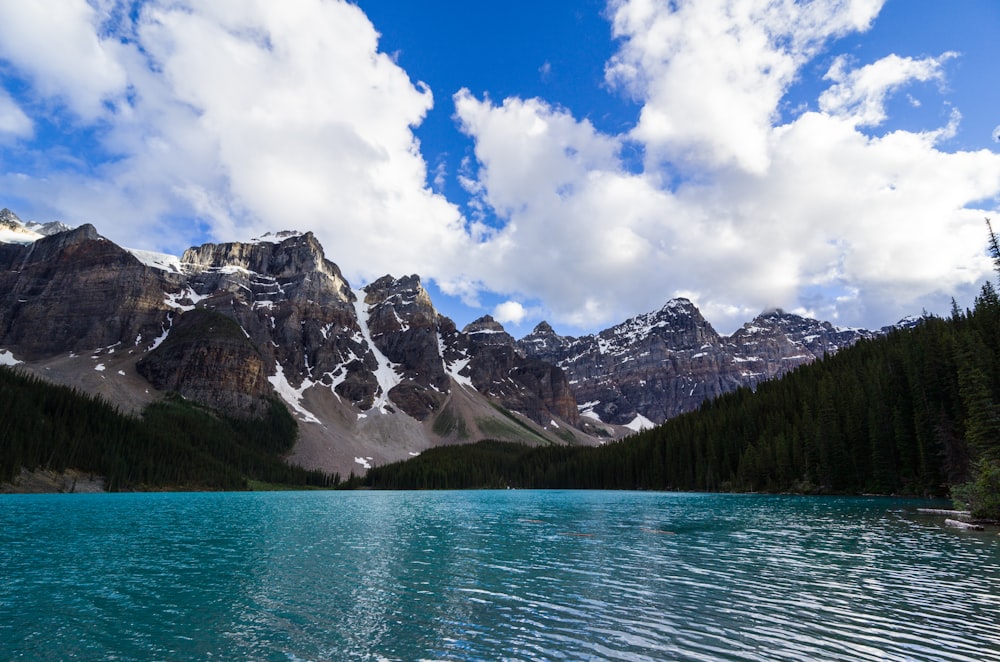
(576, 162)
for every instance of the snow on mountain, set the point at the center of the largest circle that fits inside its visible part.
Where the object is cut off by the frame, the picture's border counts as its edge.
(385, 372)
(163, 261)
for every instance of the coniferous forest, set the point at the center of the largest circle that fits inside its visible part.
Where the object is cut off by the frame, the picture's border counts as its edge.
(915, 412)
(174, 444)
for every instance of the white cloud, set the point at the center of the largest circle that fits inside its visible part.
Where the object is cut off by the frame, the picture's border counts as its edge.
(13, 121)
(56, 44)
(253, 116)
(813, 215)
(861, 93)
(509, 312)
(710, 74)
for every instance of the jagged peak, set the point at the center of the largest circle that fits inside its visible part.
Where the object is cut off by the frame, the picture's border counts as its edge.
(484, 324)
(30, 230)
(9, 218)
(390, 282)
(676, 307)
(277, 237)
(85, 232)
(256, 254)
(405, 290)
(12, 231)
(679, 303)
(543, 328)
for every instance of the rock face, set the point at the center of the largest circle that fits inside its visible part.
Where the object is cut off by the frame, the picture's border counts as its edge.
(375, 372)
(207, 358)
(76, 291)
(406, 329)
(655, 366)
(537, 389)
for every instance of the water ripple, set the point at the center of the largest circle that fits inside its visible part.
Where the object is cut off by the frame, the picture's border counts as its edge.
(490, 576)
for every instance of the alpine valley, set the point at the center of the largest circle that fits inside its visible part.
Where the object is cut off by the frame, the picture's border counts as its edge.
(372, 375)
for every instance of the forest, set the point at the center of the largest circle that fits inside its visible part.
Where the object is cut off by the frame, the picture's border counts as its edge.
(914, 412)
(175, 444)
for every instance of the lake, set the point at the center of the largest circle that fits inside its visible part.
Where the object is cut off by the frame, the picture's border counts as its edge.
(491, 575)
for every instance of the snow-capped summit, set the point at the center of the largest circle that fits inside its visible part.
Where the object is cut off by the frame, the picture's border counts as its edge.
(15, 231)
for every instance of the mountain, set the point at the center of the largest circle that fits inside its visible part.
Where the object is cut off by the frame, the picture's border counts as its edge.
(14, 230)
(655, 366)
(373, 374)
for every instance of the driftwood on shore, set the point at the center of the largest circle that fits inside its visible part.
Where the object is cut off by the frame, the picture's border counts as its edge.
(959, 524)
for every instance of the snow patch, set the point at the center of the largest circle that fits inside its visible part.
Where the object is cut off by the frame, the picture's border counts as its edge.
(161, 261)
(385, 372)
(640, 423)
(6, 358)
(99, 367)
(292, 395)
(275, 237)
(364, 462)
(163, 336)
(174, 300)
(453, 368)
(22, 236)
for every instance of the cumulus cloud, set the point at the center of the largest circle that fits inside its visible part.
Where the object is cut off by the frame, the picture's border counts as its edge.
(56, 44)
(861, 93)
(710, 74)
(812, 215)
(248, 116)
(509, 311)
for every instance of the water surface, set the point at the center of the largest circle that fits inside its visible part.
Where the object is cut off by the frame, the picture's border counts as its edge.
(515, 575)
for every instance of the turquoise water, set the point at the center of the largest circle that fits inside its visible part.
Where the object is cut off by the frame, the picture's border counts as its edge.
(489, 576)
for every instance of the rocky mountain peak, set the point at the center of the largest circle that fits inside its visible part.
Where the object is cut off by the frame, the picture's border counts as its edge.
(543, 342)
(813, 338)
(488, 331)
(9, 219)
(292, 266)
(31, 230)
(543, 328)
(287, 255)
(406, 296)
(678, 324)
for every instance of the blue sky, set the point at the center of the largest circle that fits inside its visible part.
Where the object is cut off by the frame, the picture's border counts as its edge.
(575, 162)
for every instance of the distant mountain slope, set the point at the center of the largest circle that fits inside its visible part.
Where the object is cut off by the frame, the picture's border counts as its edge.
(914, 412)
(655, 366)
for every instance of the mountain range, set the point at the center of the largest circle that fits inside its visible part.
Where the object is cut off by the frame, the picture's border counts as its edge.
(373, 374)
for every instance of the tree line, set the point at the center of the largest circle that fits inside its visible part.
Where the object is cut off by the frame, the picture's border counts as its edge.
(173, 444)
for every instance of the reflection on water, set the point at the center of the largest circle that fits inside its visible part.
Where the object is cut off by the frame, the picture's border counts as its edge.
(491, 575)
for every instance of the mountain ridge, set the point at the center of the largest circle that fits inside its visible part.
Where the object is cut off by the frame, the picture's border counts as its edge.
(373, 374)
